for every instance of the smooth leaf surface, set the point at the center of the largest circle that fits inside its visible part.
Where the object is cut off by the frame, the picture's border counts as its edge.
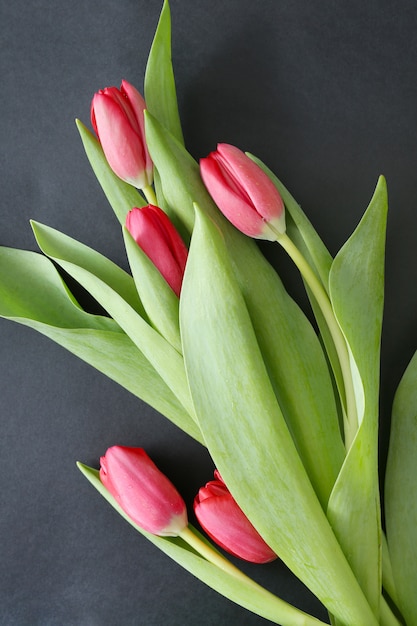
(121, 195)
(161, 355)
(246, 433)
(58, 245)
(292, 352)
(244, 593)
(159, 300)
(357, 292)
(160, 91)
(33, 294)
(401, 493)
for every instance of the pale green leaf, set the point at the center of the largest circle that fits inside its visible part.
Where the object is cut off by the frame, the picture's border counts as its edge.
(160, 301)
(292, 352)
(32, 293)
(57, 245)
(121, 196)
(161, 355)
(401, 493)
(160, 92)
(357, 290)
(245, 431)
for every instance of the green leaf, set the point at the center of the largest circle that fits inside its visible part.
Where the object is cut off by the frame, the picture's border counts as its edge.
(162, 356)
(357, 292)
(121, 195)
(246, 433)
(33, 294)
(401, 492)
(243, 592)
(57, 245)
(289, 345)
(160, 302)
(160, 92)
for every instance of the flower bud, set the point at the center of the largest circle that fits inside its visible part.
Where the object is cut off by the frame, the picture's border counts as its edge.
(155, 234)
(243, 192)
(224, 521)
(117, 118)
(144, 493)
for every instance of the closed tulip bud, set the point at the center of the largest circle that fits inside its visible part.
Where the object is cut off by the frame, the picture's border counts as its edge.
(117, 118)
(144, 493)
(224, 521)
(155, 234)
(243, 192)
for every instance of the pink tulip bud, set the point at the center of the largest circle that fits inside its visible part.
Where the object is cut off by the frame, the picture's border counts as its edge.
(155, 234)
(243, 192)
(144, 493)
(117, 118)
(224, 521)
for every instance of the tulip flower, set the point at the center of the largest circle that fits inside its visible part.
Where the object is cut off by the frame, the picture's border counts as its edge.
(224, 521)
(144, 493)
(155, 234)
(243, 192)
(118, 120)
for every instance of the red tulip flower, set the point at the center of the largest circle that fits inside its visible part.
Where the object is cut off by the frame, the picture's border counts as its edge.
(144, 493)
(243, 192)
(155, 234)
(224, 521)
(117, 118)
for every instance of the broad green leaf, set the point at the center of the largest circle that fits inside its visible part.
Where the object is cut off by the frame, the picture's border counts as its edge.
(55, 244)
(245, 431)
(241, 590)
(357, 293)
(401, 493)
(121, 195)
(161, 355)
(290, 347)
(159, 300)
(160, 92)
(33, 294)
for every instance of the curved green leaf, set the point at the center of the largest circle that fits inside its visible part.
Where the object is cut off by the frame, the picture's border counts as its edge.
(33, 294)
(357, 291)
(401, 493)
(159, 300)
(245, 431)
(160, 92)
(57, 245)
(290, 347)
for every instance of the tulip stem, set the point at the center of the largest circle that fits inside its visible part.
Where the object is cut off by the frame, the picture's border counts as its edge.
(350, 417)
(286, 614)
(150, 196)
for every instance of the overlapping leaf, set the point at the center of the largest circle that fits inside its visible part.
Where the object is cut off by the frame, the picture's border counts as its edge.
(246, 433)
(401, 492)
(32, 293)
(356, 287)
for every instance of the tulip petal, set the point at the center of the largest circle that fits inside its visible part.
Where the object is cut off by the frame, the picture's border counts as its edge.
(120, 194)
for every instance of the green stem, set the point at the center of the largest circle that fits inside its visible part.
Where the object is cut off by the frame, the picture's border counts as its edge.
(350, 417)
(286, 614)
(150, 195)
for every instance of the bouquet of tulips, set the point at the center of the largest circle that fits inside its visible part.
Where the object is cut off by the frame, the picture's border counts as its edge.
(203, 330)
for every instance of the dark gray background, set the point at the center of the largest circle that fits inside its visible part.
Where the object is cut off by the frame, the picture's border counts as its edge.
(326, 94)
